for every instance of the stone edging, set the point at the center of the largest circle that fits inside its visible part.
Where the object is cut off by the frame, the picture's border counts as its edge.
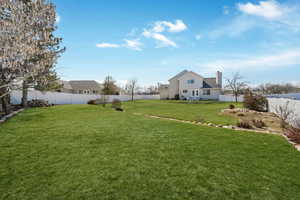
(297, 146)
(3, 119)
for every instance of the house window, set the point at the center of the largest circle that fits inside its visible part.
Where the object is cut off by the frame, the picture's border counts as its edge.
(206, 92)
(197, 93)
(193, 93)
(184, 91)
(80, 92)
(192, 81)
(95, 91)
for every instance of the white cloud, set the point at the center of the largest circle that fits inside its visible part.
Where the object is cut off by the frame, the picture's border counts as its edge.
(130, 44)
(266, 15)
(133, 44)
(198, 37)
(268, 9)
(155, 32)
(162, 40)
(107, 45)
(161, 26)
(282, 59)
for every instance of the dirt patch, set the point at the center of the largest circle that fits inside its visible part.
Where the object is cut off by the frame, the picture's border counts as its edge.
(270, 120)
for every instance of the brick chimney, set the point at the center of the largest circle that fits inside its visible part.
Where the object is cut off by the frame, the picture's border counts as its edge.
(219, 79)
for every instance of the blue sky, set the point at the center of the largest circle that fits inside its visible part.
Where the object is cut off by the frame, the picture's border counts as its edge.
(152, 40)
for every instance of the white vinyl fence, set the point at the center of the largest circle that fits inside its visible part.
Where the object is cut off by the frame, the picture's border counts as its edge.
(66, 98)
(230, 98)
(293, 105)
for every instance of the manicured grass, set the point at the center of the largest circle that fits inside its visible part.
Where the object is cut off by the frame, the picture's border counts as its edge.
(208, 111)
(90, 152)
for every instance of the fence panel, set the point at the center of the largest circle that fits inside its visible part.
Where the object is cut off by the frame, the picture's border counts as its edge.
(293, 105)
(230, 98)
(66, 98)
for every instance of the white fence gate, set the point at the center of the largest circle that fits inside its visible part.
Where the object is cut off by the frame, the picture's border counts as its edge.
(66, 98)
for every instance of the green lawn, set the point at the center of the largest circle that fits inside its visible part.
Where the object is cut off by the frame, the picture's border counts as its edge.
(209, 111)
(89, 152)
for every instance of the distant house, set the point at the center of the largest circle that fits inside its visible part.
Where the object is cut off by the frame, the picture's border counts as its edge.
(81, 87)
(190, 85)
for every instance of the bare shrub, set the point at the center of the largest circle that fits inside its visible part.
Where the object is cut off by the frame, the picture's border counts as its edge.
(92, 102)
(244, 124)
(284, 114)
(293, 134)
(258, 123)
(231, 106)
(241, 114)
(38, 103)
(255, 102)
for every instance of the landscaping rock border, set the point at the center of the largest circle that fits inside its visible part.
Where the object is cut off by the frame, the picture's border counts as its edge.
(297, 146)
(6, 117)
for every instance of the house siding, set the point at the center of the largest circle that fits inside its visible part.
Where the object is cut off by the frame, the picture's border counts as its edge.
(184, 85)
(189, 85)
(173, 88)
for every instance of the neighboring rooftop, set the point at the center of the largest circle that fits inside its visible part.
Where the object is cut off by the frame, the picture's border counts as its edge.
(85, 84)
(210, 83)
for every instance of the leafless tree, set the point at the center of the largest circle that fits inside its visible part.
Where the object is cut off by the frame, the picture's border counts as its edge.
(270, 88)
(236, 85)
(131, 87)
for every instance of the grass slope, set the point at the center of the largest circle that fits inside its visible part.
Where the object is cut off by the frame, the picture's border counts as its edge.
(88, 152)
(209, 111)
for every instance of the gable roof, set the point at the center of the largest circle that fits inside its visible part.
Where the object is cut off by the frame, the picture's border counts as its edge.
(178, 76)
(85, 85)
(210, 83)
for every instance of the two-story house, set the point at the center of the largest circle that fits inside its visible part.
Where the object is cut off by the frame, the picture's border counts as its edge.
(190, 85)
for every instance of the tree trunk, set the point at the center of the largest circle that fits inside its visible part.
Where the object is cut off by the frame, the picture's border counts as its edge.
(5, 105)
(25, 94)
(132, 94)
(236, 98)
(5, 101)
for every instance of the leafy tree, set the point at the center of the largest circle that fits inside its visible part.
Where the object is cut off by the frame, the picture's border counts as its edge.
(39, 65)
(28, 47)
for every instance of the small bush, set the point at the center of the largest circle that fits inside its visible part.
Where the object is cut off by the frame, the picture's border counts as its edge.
(38, 103)
(119, 109)
(255, 102)
(293, 134)
(176, 97)
(231, 106)
(241, 114)
(116, 104)
(92, 102)
(244, 124)
(258, 123)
